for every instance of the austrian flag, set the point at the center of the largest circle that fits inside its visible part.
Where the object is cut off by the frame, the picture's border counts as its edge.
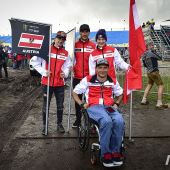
(31, 41)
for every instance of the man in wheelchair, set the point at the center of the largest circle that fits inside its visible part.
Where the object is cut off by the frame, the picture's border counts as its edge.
(101, 107)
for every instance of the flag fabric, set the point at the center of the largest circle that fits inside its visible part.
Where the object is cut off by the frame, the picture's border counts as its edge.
(133, 77)
(31, 40)
(30, 37)
(70, 43)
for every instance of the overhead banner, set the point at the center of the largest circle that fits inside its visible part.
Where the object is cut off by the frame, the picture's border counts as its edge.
(30, 37)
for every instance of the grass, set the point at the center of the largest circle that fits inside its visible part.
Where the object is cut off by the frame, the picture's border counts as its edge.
(153, 93)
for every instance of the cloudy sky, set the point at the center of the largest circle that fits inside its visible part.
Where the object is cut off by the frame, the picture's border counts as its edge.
(66, 14)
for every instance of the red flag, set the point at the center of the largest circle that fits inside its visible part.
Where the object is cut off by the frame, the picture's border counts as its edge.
(133, 78)
(31, 40)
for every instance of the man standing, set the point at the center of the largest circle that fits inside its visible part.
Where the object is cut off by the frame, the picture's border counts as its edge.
(60, 64)
(3, 62)
(107, 52)
(150, 61)
(101, 107)
(83, 48)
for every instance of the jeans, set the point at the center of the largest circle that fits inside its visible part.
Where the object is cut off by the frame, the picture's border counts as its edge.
(59, 95)
(4, 65)
(111, 128)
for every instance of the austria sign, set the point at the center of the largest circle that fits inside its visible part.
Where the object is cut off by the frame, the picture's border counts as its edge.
(30, 37)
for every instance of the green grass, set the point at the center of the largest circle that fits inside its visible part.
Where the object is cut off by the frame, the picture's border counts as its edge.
(153, 93)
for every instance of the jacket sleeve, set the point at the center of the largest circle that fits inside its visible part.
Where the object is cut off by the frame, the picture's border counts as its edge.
(66, 66)
(81, 87)
(38, 64)
(117, 90)
(92, 66)
(119, 62)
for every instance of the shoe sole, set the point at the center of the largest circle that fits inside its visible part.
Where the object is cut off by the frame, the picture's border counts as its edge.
(110, 165)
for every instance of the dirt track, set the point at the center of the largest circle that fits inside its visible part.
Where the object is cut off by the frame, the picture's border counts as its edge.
(20, 107)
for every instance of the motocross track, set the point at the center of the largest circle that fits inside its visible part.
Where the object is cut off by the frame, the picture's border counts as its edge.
(22, 147)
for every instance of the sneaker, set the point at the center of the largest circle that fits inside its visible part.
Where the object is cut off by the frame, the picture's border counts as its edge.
(163, 106)
(117, 159)
(107, 163)
(75, 124)
(60, 128)
(144, 103)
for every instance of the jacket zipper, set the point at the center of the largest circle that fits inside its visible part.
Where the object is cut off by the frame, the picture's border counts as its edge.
(54, 69)
(83, 59)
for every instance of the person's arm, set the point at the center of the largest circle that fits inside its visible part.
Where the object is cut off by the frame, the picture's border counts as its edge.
(39, 64)
(118, 92)
(80, 89)
(92, 66)
(119, 61)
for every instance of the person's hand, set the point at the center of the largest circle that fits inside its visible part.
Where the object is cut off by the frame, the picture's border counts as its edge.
(84, 105)
(46, 73)
(62, 75)
(116, 105)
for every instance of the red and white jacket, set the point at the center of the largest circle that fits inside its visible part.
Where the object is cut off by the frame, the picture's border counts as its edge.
(59, 62)
(81, 63)
(97, 92)
(113, 57)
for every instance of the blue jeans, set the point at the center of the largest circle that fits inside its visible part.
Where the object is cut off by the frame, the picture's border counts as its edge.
(111, 127)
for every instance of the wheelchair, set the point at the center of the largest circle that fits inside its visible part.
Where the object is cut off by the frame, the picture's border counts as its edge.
(87, 130)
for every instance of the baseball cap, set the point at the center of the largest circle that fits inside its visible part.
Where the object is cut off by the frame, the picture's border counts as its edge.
(102, 61)
(61, 34)
(84, 27)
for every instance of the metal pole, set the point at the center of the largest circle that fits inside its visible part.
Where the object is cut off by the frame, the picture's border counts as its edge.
(130, 120)
(48, 84)
(70, 96)
(71, 85)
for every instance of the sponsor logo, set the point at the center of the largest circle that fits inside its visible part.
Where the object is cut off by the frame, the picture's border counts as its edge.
(31, 41)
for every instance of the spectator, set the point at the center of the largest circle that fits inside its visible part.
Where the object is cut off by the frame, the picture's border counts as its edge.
(150, 60)
(3, 62)
(126, 55)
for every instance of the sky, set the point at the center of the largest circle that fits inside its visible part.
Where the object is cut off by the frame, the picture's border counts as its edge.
(67, 14)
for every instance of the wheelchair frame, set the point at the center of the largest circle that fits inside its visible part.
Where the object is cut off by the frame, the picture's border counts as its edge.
(84, 138)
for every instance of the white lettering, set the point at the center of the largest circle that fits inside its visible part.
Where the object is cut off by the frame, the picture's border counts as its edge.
(30, 51)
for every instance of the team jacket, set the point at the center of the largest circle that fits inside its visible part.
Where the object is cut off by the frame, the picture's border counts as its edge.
(82, 52)
(97, 92)
(59, 62)
(113, 57)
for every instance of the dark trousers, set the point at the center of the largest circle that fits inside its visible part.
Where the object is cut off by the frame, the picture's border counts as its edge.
(77, 107)
(4, 65)
(59, 96)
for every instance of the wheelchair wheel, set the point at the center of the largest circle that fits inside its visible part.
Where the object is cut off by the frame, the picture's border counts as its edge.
(83, 132)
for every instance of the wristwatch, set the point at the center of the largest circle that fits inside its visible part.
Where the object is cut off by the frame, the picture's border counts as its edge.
(82, 105)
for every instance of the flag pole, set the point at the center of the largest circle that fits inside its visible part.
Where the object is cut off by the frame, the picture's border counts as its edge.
(71, 85)
(48, 83)
(130, 119)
